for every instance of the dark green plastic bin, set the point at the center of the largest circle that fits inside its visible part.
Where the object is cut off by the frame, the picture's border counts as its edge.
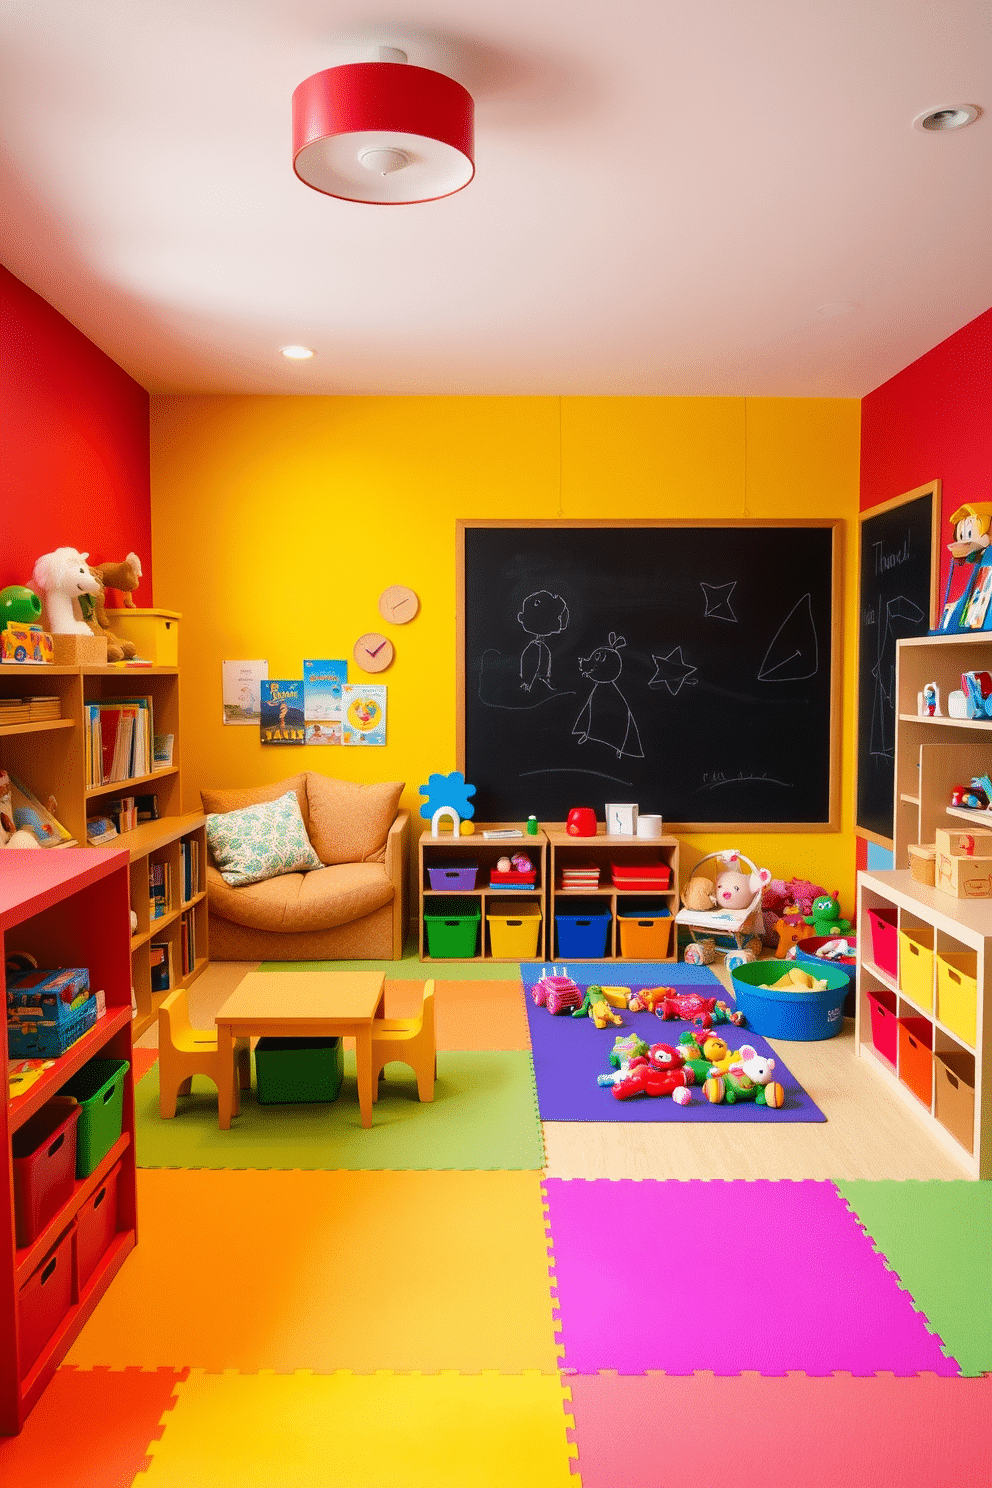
(99, 1089)
(298, 1069)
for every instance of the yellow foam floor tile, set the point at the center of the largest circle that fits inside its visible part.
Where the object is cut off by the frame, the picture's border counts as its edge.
(324, 1271)
(380, 1431)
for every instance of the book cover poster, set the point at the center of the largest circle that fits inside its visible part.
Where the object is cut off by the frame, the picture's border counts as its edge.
(243, 690)
(322, 683)
(282, 712)
(364, 714)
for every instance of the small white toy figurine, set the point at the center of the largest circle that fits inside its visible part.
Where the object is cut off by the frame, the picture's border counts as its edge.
(62, 576)
(928, 701)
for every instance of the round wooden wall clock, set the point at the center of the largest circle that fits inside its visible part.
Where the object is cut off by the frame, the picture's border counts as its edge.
(373, 652)
(398, 604)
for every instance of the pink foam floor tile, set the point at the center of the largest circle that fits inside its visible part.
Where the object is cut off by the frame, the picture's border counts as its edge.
(727, 1276)
(658, 1431)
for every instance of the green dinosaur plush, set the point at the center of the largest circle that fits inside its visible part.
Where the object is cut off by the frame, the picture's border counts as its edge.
(826, 918)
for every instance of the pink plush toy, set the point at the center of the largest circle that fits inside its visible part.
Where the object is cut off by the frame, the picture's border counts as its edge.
(735, 889)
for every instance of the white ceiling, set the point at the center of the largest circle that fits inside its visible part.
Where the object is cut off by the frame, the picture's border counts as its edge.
(665, 196)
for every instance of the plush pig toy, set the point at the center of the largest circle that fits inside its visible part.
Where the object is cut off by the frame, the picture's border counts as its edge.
(735, 889)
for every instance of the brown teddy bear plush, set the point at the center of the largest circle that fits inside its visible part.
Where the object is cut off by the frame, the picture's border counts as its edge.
(95, 611)
(699, 893)
(125, 576)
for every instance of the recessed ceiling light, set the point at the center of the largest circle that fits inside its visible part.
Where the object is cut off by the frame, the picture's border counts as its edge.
(296, 353)
(954, 116)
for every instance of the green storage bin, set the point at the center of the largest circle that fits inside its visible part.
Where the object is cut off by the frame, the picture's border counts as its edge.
(452, 928)
(99, 1089)
(298, 1069)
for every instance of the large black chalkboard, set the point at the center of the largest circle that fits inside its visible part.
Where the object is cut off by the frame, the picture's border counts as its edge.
(897, 583)
(687, 668)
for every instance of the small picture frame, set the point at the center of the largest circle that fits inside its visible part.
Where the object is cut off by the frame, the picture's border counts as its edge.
(621, 819)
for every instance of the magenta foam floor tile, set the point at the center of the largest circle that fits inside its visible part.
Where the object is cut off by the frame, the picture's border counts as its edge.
(764, 1276)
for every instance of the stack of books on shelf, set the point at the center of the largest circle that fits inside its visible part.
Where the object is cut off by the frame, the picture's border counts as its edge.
(14, 710)
(580, 876)
(123, 813)
(189, 850)
(187, 941)
(641, 875)
(161, 965)
(44, 708)
(118, 740)
(159, 890)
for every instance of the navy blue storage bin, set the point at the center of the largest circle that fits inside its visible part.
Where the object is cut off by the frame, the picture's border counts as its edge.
(583, 930)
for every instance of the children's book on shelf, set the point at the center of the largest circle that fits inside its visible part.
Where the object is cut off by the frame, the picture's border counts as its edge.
(282, 712)
(162, 754)
(189, 851)
(118, 740)
(322, 700)
(160, 959)
(159, 890)
(123, 813)
(364, 714)
(242, 689)
(187, 942)
(21, 809)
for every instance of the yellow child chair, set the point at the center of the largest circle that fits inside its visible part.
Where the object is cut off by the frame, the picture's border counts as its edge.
(184, 1051)
(410, 1041)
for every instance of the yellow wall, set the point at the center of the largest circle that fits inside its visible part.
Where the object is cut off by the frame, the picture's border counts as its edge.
(277, 522)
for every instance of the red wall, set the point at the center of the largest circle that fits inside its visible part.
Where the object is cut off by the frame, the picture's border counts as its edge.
(74, 456)
(933, 420)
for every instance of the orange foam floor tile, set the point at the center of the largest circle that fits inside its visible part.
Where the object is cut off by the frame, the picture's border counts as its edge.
(380, 1431)
(90, 1429)
(142, 1061)
(834, 1431)
(469, 1015)
(331, 1270)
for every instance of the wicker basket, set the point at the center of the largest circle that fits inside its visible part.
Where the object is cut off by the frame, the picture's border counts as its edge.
(923, 862)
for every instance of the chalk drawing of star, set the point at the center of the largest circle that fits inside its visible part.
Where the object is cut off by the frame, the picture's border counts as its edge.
(717, 597)
(672, 671)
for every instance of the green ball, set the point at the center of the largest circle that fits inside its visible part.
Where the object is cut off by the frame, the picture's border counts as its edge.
(19, 606)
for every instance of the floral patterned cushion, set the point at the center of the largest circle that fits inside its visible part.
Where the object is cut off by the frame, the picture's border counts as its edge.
(259, 842)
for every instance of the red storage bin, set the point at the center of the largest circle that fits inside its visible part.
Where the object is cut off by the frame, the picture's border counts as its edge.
(43, 1302)
(44, 1151)
(884, 940)
(916, 1056)
(884, 1034)
(96, 1226)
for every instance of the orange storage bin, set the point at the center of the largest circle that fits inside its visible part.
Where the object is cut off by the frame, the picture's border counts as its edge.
(916, 1057)
(957, 993)
(916, 966)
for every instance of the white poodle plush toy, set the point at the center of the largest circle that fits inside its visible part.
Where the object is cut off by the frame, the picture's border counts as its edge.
(62, 577)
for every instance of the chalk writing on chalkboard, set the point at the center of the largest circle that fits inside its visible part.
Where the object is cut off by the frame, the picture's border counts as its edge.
(694, 666)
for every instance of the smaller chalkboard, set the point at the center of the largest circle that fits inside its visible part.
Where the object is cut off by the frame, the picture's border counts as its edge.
(900, 552)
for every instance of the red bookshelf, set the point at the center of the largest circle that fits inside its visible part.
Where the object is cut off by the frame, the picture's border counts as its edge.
(67, 909)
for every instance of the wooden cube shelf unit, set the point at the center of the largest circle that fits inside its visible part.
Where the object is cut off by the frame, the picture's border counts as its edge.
(939, 925)
(604, 849)
(160, 842)
(438, 852)
(935, 754)
(66, 909)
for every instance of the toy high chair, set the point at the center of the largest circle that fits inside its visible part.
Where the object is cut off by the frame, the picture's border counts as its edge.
(184, 1051)
(410, 1041)
(732, 933)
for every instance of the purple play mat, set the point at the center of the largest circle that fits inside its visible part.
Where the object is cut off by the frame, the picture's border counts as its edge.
(570, 1052)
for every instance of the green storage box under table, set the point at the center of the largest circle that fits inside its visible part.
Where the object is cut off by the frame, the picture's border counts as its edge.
(99, 1089)
(298, 1069)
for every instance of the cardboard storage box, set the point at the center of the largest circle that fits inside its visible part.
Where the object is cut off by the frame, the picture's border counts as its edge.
(974, 844)
(964, 878)
(79, 650)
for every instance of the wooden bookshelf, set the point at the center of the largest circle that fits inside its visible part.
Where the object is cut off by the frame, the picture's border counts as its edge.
(67, 909)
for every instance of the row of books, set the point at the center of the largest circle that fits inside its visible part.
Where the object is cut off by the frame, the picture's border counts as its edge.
(118, 740)
(187, 942)
(29, 709)
(159, 890)
(160, 955)
(189, 850)
(122, 815)
(580, 876)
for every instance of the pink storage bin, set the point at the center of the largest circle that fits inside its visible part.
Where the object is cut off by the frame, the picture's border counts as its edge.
(44, 1151)
(43, 1302)
(96, 1226)
(884, 1028)
(884, 940)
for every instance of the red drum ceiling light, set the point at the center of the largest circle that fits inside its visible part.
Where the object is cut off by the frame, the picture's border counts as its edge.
(383, 132)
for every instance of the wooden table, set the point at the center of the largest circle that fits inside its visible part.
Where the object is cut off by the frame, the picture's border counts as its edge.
(301, 1004)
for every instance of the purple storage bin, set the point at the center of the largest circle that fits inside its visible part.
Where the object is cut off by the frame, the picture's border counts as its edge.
(453, 878)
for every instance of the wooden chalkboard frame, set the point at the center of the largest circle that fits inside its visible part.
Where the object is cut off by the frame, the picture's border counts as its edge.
(834, 524)
(933, 489)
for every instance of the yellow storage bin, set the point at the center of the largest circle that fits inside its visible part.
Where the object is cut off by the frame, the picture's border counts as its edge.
(916, 966)
(154, 632)
(513, 929)
(957, 992)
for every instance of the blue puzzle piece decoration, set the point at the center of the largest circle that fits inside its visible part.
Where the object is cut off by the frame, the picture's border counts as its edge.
(448, 792)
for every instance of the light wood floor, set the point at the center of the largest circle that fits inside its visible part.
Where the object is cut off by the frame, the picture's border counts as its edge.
(869, 1132)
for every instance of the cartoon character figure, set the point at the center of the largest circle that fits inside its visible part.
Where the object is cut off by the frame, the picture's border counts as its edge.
(541, 615)
(606, 717)
(748, 1078)
(661, 1073)
(826, 917)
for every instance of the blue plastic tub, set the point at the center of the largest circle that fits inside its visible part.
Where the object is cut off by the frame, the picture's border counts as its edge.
(583, 931)
(801, 1017)
(805, 955)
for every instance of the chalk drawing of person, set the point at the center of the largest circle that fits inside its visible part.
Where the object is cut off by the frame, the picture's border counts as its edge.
(606, 718)
(541, 615)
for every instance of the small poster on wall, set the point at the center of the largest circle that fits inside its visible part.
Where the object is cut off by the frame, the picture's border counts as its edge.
(243, 690)
(322, 706)
(282, 712)
(364, 714)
